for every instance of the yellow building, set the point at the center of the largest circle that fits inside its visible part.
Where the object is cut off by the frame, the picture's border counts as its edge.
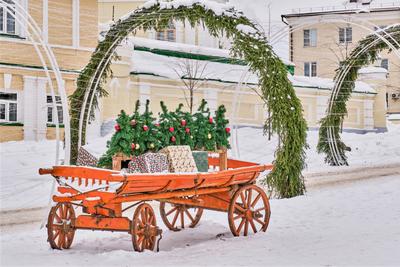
(322, 37)
(70, 28)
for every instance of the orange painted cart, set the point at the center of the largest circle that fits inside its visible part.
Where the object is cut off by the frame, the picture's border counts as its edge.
(182, 199)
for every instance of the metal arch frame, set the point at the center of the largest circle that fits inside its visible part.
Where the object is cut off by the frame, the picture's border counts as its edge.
(335, 91)
(25, 17)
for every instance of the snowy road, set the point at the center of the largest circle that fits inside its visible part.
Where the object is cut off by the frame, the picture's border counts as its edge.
(356, 223)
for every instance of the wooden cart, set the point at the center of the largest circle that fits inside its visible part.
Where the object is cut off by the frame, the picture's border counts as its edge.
(182, 199)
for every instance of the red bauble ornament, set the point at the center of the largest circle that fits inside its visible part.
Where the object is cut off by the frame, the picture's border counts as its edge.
(133, 122)
(145, 128)
(183, 122)
(227, 130)
(133, 146)
(171, 129)
(173, 139)
(117, 127)
(210, 120)
(187, 130)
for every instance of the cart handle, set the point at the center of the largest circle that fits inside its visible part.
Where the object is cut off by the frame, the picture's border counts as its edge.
(43, 171)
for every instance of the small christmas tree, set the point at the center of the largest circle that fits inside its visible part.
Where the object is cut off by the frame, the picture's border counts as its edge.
(168, 126)
(185, 129)
(120, 142)
(223, 132)
(204, 128)
(136, 123)
(152, 135)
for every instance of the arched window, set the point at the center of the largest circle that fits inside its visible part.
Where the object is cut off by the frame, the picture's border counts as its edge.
(168, 34)
(7, 20)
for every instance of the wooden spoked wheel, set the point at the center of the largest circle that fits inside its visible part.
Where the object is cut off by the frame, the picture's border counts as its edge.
(60, 226)
(249, 210)
(144, 228)
(176, 216)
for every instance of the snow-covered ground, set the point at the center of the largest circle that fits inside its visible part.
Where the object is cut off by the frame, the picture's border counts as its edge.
(22, 187)
(353, 224)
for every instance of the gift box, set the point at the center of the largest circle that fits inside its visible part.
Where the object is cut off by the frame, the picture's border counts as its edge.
(148, 163)
(180, 158)
(201, 160)
(86, 159)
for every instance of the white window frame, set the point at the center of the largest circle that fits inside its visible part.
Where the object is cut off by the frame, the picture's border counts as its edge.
(312, 38)
(51, 106)
(7, 107)
(312, 69)
(346, 38)
(4, 29)
(163, 35)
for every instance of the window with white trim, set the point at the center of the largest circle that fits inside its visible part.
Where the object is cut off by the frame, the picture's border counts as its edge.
(8, 107)
(345, 35)
(310, 69)
(168, 34)
(51, 114)
(310, 37)
(7, 19)
(385, 63)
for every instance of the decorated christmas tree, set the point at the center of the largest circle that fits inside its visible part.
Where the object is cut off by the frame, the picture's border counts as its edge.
(204, 128)
(186, 126)
(151, 132)
(168, 126)
(120, 142)
(223, 132)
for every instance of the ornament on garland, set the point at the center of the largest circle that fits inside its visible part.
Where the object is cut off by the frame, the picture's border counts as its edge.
(183, 122)
(171, 129)
(209, 136)
(187, 130)
(133, 146)
(133, 123)
(227, 130)
(137, 147)
(151, 145)
(173, 139)
(210, 120)
(117, 127)
(145, 128)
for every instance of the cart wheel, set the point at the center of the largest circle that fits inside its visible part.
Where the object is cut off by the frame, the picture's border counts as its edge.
(144, 228)
(60, 226)
(249, 207)
(171, 212)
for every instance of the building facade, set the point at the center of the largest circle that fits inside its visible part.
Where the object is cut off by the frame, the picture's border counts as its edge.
(322, 37)
(71, 29)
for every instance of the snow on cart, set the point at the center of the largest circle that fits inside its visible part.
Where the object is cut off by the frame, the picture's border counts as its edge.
(182, 199)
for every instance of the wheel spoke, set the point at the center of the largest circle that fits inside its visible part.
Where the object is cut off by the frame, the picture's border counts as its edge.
(249, 197)
(246, 227)
(171, 211)
(60, 240)
(253, 226)
(182, 219)
(237, 206)
(175, 218)
(255, 200)
(259, 209)
(238, 217)
(146, 214)
(259, 221)
(57, 217)
(56, 235)
(188, 214)
(243, 199)
(241, 225)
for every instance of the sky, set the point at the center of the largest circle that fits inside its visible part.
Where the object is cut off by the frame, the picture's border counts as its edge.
(258, 11)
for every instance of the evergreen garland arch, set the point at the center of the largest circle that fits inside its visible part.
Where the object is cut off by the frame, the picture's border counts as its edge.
(365, 53)
(248, 43)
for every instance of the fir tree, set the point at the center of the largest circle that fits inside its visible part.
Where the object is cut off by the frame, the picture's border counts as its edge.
(185, 129)
(168, 126)
(204, 128)
(120, 142)
(223, 132)
(152, 134)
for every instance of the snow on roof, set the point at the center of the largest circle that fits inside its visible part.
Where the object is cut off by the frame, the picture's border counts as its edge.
(168, 66)
(367, 70)
(187, 48)
(325, 83)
